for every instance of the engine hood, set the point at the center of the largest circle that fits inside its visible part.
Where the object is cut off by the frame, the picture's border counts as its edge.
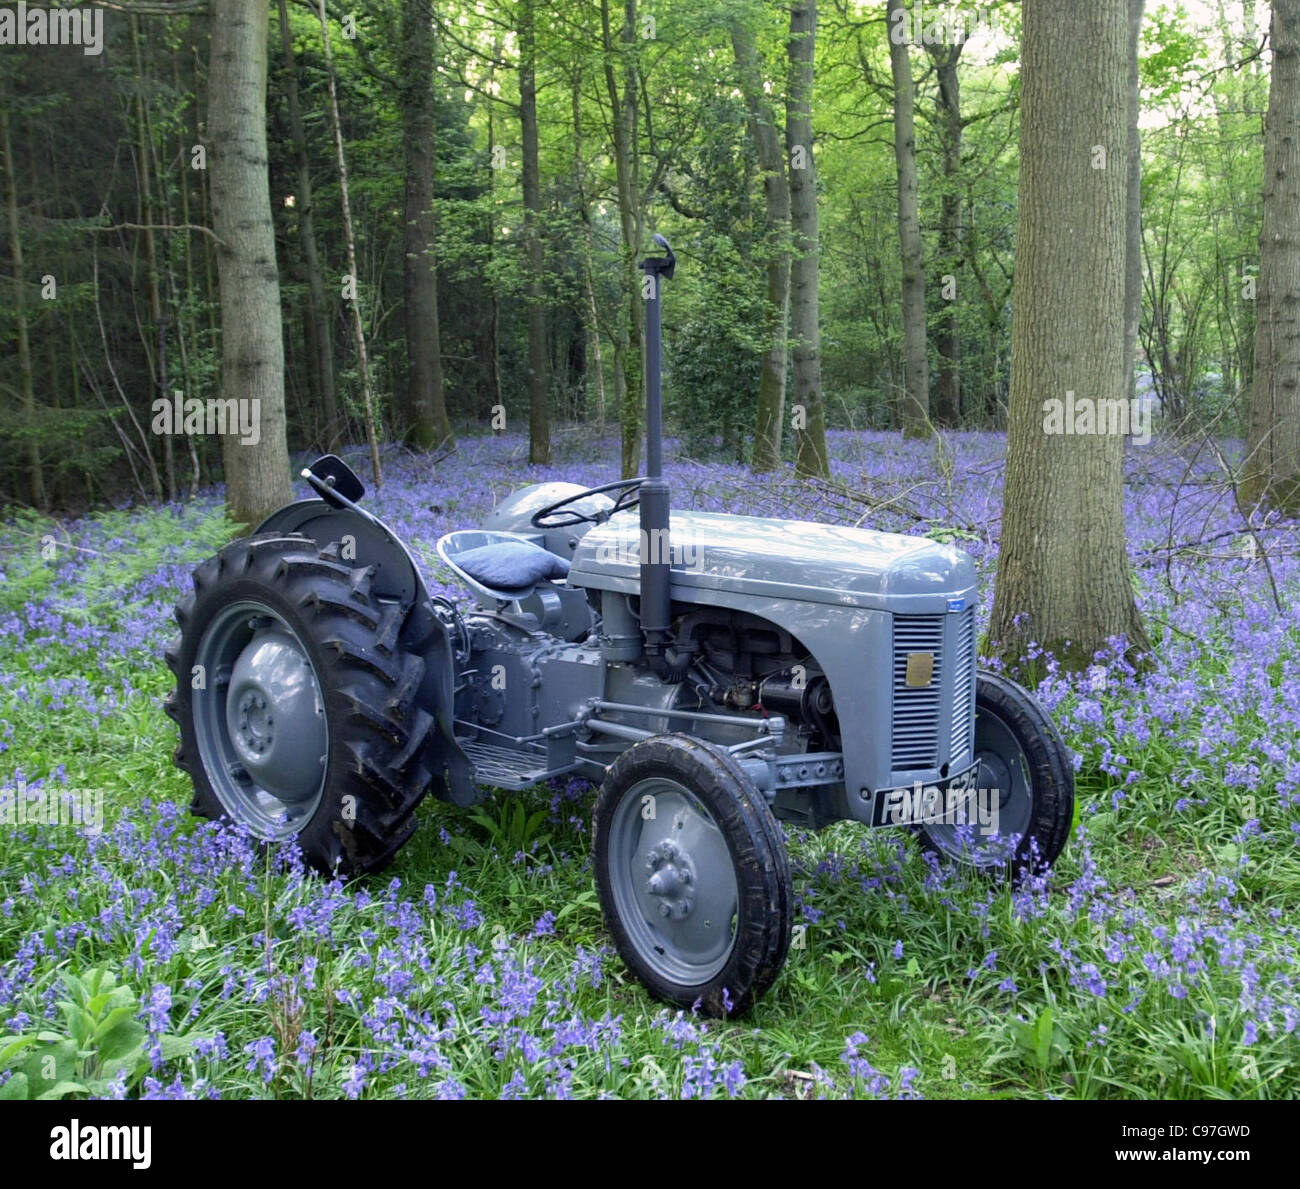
(792, 559)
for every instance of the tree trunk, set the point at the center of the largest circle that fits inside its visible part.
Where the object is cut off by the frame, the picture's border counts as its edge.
(1133, 204)
(627, 340)
(1272, 471)
(804, 266)
(252, 350)
(539, 427)
(1063, 573)
(947, 395)
(318, 335)
(776, 207)
(591, 312)
(426, 405)
(916, 368)
(358, 327)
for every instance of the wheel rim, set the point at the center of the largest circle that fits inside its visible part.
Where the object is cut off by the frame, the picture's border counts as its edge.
(260, 720)
(1003, 765)
(673, 882)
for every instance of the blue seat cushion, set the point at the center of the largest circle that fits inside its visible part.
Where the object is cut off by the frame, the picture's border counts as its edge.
(511, 565)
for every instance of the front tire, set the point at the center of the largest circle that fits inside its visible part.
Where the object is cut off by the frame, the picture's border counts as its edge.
(296, 703)
(1023, 759)
(692, 874)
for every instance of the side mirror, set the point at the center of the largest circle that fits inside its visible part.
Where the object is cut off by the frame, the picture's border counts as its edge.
(333, 475)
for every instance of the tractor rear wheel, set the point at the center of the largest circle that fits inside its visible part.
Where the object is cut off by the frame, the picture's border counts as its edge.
(296, 702)
(692, 874)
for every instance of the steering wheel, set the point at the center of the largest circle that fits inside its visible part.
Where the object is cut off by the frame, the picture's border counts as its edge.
(627, 498)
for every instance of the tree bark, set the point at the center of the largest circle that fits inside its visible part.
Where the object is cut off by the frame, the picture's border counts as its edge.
(539, 427)
(627, 340)
(947, 394)
(805, 329)
(1272, 471)
(776, 208)
(426, 403)
(1133, 204)
(916, 369)
(316, 309)
(252, 350)
(1063, 573)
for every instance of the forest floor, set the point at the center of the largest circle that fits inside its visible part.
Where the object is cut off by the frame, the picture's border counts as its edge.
(158, 956)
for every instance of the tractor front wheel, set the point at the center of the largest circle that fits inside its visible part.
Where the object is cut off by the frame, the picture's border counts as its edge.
(692, 874)
(1024, 791)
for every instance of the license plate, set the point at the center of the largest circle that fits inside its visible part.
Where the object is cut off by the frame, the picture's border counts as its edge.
(925, 801)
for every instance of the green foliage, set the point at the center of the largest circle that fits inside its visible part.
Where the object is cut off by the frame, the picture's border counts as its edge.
(102, 1041)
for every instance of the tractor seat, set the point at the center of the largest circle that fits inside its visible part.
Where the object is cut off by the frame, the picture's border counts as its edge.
(501, 566)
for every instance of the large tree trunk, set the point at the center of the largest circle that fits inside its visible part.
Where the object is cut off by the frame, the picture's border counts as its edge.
(776, 208)
(319, 337)
(1133, 204)
(426, 405)
(539, 426)
(252, 350)
(1272, 471)
(806, 389)
(1063, 574)
(947, 395)
(916, 367)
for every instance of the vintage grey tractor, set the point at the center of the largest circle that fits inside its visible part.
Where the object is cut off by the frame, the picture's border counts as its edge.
(712, 674)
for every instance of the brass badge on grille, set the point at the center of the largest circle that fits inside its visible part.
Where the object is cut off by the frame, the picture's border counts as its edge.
(920, 669)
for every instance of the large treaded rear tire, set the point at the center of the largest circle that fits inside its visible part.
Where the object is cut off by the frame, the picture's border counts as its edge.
(374, 776)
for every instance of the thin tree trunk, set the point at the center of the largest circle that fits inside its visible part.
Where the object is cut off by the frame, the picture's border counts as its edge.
(776, 208)
(947, 395)
(252, 347)
(591, 317)
(627, 341)
(539, 427)
(358, 328)
(1063, 573)
(320, 340)
(806, 390)
(27, 391)
(916, 369)
(1272, 471)
(157, 349)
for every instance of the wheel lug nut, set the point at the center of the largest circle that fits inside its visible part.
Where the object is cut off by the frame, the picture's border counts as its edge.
(664, 910)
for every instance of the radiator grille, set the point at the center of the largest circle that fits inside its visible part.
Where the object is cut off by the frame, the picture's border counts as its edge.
(916, 710)
(963, 683)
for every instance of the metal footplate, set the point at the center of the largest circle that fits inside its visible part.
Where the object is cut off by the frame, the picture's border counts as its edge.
(509, 767)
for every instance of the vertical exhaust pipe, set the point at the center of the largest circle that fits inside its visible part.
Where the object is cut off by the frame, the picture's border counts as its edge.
(656, 558)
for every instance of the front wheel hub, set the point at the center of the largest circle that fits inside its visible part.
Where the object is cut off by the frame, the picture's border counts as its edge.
(275, 718)
(671, 880)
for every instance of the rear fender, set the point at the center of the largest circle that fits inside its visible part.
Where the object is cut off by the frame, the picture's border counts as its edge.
(368, 541)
